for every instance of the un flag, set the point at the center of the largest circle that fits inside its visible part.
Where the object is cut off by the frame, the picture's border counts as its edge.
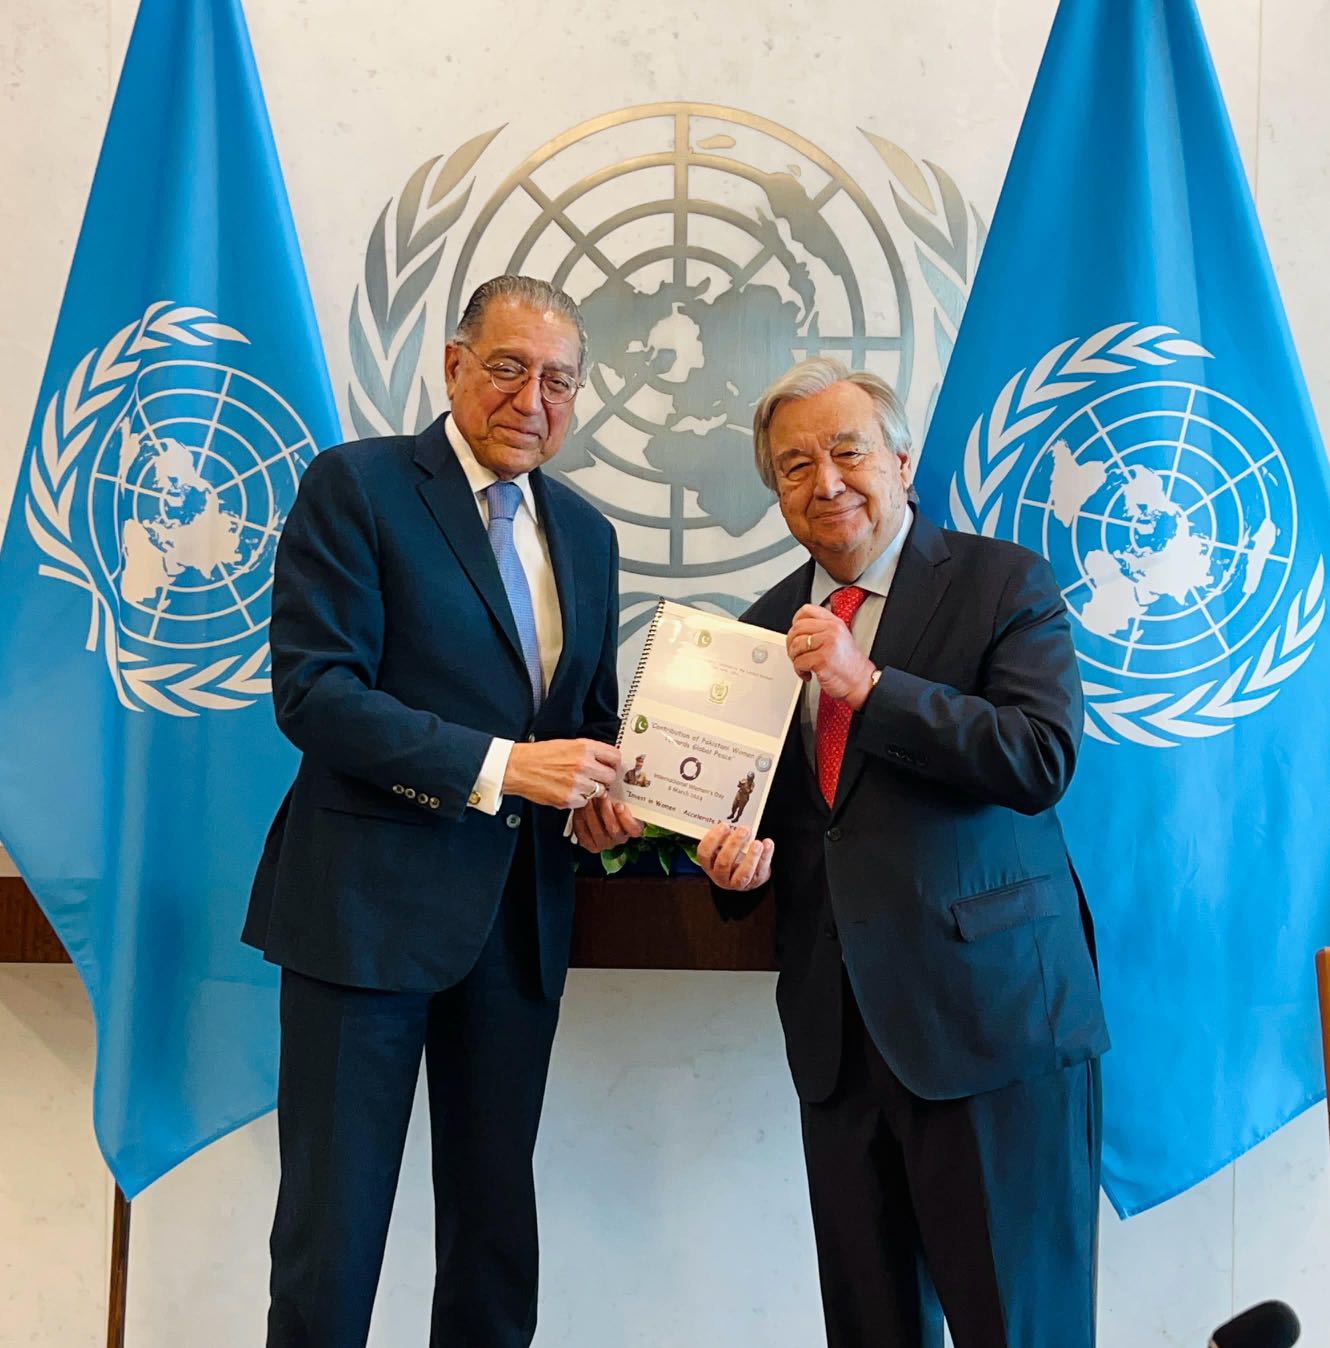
(185, 392)
(1125, 399)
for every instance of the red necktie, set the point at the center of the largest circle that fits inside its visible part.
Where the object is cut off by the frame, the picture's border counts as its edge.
(833, 715)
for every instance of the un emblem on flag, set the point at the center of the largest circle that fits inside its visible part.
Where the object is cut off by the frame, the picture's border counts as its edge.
(1174, 509)
(1169, 515)
(160, 488)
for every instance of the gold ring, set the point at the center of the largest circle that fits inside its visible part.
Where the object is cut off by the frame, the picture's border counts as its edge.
(808, 643)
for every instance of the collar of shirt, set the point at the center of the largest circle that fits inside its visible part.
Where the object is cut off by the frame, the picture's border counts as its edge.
(479, 477)
(876, 577)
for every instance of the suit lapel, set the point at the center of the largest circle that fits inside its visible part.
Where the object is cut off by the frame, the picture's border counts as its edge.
(916, 591)
(448, 496)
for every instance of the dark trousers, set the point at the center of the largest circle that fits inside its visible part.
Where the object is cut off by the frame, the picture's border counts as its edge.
(985, 1208)
(350, 1060)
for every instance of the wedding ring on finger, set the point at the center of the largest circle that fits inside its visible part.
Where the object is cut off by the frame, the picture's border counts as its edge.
(808, 644)
(596, 789)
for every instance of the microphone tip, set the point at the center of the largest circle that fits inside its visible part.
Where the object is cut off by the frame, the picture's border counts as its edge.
(1271, 1324)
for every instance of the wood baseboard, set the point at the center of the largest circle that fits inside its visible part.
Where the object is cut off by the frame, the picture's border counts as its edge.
(624, 923)
(25, 934)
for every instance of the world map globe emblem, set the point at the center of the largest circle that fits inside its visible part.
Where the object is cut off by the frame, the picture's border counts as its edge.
(1168, 514)
(709, 250)
(190, 487)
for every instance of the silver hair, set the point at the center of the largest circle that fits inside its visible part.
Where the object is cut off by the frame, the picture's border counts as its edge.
(521, 290)
(814, 376)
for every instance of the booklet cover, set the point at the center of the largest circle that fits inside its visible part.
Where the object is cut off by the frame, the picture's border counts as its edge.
(704, 721)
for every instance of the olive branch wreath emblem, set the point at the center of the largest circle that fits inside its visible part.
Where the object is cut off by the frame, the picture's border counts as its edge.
(386, 324)
(402, 258)
(949, 235)
(995, 445)
(178, 688)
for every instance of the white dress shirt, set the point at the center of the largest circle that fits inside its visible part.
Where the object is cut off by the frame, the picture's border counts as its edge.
(534, 554)
(876, 579)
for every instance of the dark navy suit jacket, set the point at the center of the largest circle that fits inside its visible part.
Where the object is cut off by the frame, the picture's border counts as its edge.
(940, 869)
(395, 662)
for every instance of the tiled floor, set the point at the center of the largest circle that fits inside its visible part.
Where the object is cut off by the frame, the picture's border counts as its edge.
(673, 1206)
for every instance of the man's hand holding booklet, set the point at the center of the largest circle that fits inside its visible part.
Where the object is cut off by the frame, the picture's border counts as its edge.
(703, 726)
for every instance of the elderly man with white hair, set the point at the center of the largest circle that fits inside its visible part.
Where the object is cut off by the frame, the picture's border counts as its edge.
(937, 982)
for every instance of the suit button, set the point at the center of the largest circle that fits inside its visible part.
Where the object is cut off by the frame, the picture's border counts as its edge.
(530, 739)
(434, 802)
(409, 793)
(834, 834)
(514, 821)
(398, 788)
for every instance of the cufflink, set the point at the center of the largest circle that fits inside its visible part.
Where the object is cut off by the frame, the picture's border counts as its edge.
(473, 798)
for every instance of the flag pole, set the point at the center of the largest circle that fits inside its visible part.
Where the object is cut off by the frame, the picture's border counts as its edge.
(116, 1302)
(1323, 988)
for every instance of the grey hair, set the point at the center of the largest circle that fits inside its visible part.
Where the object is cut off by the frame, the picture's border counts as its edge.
(814, 376)
(526, 290)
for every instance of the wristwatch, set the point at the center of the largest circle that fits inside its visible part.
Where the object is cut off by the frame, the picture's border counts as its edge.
(872, 683)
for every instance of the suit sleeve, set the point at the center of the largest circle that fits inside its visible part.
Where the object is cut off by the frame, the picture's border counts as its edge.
(600, 711)
(327, 640)
(733, 905)
(1011, 742)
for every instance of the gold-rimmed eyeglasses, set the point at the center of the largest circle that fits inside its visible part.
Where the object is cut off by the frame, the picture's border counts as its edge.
(510, 376)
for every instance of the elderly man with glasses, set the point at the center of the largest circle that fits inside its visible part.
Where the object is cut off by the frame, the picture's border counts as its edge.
(937, 990)
(443, 639)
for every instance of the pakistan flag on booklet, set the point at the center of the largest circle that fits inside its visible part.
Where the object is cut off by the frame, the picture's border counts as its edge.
(704, 721)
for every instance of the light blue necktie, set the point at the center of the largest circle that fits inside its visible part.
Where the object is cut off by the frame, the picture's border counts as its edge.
(504, 499)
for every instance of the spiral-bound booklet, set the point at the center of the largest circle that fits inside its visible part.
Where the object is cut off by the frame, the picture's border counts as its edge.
(704, 721)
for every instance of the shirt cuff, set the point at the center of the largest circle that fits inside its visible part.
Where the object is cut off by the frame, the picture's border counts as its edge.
(487, 792)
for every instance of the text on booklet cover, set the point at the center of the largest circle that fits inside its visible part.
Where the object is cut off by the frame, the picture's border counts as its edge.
(704, 721)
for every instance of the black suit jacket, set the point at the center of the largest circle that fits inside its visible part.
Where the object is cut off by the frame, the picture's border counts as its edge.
(939, 874)
(395, 662)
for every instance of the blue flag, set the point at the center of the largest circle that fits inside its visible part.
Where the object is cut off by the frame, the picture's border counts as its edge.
(185, 392)
(1124, 398)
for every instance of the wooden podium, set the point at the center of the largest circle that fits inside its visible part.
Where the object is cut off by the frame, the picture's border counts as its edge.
(25, 935)
(626, 922)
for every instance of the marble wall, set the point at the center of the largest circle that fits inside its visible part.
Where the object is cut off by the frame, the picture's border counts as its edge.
(672, 1192)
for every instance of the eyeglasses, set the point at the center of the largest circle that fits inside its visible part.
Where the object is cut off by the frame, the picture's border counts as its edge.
(798, 471)
(510, 377)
